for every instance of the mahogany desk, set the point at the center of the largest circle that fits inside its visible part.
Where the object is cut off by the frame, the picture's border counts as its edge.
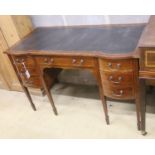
(109, 52)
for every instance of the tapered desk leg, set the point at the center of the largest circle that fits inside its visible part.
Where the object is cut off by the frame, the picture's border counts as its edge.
(143, 105)
(29, 97)
(138, 113)
(103, 98)
(47, 91)
(104, 103)
(137, 93)
(138, 105)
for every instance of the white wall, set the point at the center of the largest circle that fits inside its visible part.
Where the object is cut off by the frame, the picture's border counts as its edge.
(59, 20)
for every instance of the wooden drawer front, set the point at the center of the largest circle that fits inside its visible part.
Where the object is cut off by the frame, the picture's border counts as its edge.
(31, 71)
(30, 77)
(117, 78)
(66, 61)
(26, 60)
(28, 71)
(115, 65)
(119, 92)
(33, 81)
(149, 58)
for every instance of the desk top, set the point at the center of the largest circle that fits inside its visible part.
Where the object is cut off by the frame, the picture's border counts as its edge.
(122, 39)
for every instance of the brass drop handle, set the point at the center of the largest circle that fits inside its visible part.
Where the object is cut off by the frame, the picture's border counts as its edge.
(74, 61)
(121, 92)
(115, 82)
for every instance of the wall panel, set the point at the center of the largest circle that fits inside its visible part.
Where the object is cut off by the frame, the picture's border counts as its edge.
(59, 20)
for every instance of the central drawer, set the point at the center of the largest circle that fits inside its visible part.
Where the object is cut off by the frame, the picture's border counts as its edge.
(65, 61)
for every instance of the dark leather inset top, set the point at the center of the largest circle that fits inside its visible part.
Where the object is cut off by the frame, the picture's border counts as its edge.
(110, 39)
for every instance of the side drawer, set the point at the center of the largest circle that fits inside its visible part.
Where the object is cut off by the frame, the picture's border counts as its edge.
(27, 71)
(119, 92)
(117, 78)
(33, 81)
(115, 65)
(31, 71)
(28, 61)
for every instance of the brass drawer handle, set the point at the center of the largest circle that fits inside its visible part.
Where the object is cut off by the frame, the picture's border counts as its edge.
(20, 60)
(121, 92)
(74, 61)
(118, 65)
(81, 61)
(45, 60)
(52, 60)
(17, 60)
(110, 65)
(115, 82)
(120, 78)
